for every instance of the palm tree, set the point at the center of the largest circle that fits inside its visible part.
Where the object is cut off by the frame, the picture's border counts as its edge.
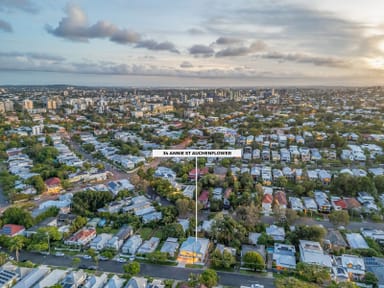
(16, 245)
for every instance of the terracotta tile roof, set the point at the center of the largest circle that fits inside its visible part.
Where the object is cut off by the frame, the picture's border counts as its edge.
(280, 198)
(54, 181)
(267, 198)
(11, 229)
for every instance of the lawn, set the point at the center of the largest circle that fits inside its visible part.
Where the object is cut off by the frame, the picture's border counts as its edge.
(145, 233)
(158, 233)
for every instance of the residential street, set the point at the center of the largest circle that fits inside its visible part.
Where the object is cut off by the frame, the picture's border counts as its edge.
(168, 272)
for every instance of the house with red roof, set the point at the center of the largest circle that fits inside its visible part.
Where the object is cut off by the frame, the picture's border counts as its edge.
(53, 185)
(200, 172)
(266, 203)
(280, 200)
(204, 198)
(338, 204)
(81, 237)
(12, 230)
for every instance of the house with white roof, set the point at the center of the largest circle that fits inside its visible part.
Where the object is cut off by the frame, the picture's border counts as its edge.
(312, 253)
(192, 251)
(284, 256)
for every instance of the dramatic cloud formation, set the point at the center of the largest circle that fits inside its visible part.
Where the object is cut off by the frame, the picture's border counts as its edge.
(24, 5)
(317, 30)
(304, 58)
(201, 50)
(5, 26)
(242, 51)
(75, 27)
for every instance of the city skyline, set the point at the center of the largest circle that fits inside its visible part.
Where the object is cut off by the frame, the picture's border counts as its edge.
(198, 43)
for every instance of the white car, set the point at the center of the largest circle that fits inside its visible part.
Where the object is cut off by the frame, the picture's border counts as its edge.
(59, 254)
(121, 260)
(87, 257)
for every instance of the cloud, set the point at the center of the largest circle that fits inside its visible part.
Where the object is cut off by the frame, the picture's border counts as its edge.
(23, 5)
(186, 64)
(227, 40)
(372, 46)
(242, 51)
(75, 27)
(292, 24)
(201, 50)
(5, 26)
(195, 31)
(153, 45)
(32, 56)
(305, 58)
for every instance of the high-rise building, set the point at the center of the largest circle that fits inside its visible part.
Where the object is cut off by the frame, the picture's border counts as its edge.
(8, 105)
(2, 107)
(51, 104)
(28, 104)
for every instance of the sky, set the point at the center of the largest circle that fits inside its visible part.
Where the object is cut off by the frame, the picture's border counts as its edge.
(199, 43)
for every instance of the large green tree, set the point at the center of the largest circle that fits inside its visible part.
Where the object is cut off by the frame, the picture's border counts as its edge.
(339, 218)
(209, 278)
(17, 244)
(19, 216)
(253, 260)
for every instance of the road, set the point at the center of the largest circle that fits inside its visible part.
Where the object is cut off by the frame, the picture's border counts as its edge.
(158, 271)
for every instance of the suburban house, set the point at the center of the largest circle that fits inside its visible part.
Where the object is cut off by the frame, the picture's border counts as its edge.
(99, 242)
(81, 237)
(280, 200)
(276, 232)
(170, 246)
(12, 230)
(192, 251)
(354, 265)
(266, 203)
(312, 253)
(149, 246)
(284, 256)
(131, 245)
(53, 185)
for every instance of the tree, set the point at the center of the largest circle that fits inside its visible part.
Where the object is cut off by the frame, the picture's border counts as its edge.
(17, 244)
(158, 257)
(173, 230)
(3, 258)
(371, 279)
(19, 216)
(339, 218)
(222, 260)
(247, 215)
(291, 216)
(311, 233)
(132, 268)
(253, 260)
(182, 206)
(313, 273)
(290, 282)
(379, 183)
(209, 278)
(37, 182)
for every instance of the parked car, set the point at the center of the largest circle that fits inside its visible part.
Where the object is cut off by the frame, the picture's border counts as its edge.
(121, 260)
(102, 258)
(59, 254)
(93, 267)
(87, 257)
